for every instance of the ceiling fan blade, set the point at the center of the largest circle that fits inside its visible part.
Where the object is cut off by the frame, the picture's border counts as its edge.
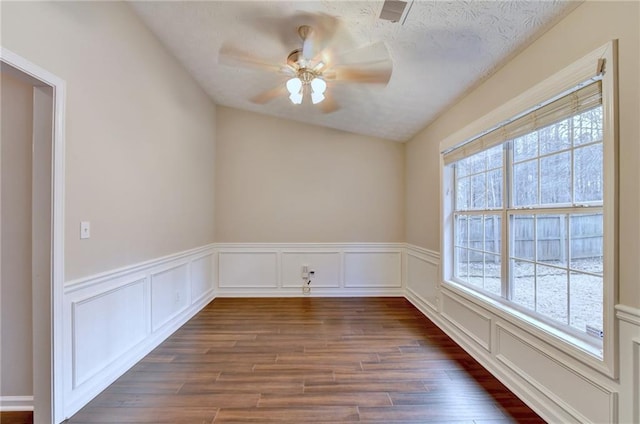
(370, 64)
(326, 29)
(363, 76)
(269, 95)
(232, 56)
(329, 104)
(370, 54)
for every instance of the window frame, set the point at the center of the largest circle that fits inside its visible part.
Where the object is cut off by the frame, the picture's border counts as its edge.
(583, 70)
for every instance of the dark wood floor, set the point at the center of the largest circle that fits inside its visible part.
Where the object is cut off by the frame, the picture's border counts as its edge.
(20, 417)
(299, 360)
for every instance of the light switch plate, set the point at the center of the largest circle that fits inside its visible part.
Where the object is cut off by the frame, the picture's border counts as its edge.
(85, 229)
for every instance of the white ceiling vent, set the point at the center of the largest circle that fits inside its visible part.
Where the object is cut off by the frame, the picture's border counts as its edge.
(394, 11)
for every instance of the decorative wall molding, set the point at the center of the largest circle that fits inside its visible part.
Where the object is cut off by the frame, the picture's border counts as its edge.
(474, 322)
(340, 269)
(431, 255)
(545, 370)
(170, 290)
(628, 314)
(629, 351)
(85, 282)
(16, 403)
(91, 354)
(113, 319)
(554, 382)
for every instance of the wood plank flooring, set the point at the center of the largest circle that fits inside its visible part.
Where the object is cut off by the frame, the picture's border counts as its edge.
(302, 360)
(16, 417)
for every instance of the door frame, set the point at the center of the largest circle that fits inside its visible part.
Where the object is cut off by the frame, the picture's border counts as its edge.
(57, 222)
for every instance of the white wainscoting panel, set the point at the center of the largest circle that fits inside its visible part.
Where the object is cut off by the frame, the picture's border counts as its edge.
(105, 326)
(248, 269)
(112, 320)
(373, 269)
(534, 364)
(170, 294)
(423, 276)
(341, 269)
(629, 348)
(472, 321)
(201, 277)
(154, 298)
(327, 267)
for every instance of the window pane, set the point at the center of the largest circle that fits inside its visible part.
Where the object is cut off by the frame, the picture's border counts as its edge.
(525, 147)
(587, 178)
(492, 282)
(522, 240)
(476, 236)
(586, 243)
(476, 269)
(461, 236)
(478, 191)
(525, 183)
(587, 127)
(495, 157)
(462, 168)
(554, 137)
(492, 230)
(551, 293)
(555, 178)
(551, 237)
(476, 162)
(586, 301)
(523, 284)
(461, 269)
(494, 189)
(463, 193)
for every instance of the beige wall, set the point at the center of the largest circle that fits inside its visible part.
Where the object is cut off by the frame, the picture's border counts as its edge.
(588, 27)
(140, 133)
(282, 181)
(15, 228)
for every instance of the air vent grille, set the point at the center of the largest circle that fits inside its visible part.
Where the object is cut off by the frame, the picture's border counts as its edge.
(392, 10)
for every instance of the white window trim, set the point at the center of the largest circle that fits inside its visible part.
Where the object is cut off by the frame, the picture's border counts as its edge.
(578, 72)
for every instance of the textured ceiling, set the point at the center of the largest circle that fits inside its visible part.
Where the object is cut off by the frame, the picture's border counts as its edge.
(442, 49)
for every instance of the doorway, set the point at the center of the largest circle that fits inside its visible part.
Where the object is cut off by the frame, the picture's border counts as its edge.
(31, 255)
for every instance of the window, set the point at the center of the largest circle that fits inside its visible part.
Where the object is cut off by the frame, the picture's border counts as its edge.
(526, 214)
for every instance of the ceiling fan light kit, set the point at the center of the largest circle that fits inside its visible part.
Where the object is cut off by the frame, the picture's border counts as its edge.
(297, 86)
(310, 66)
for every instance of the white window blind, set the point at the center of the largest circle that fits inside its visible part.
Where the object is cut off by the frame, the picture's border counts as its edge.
(572, 104)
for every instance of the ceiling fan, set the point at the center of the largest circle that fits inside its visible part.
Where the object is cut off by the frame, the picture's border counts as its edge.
(312, 70)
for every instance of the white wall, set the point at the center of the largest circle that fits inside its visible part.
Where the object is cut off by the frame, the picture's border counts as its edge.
(15, 280)
(282, 181)
(140, 133)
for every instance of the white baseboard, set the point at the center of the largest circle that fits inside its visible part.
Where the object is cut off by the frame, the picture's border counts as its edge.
(16, 403)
